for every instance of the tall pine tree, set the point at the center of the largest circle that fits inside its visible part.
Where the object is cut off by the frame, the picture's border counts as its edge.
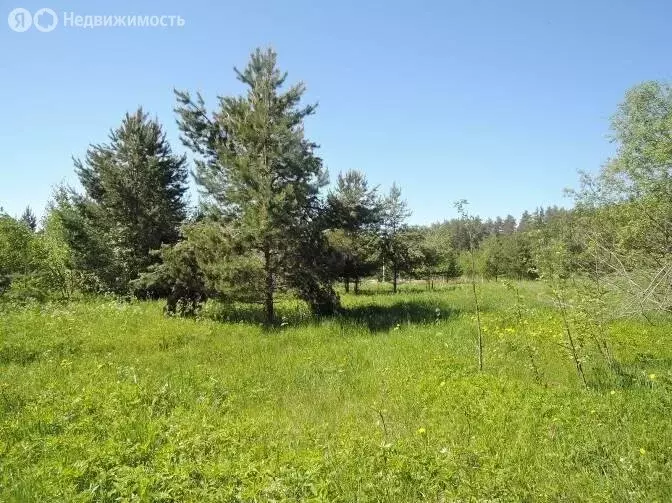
(261, 180)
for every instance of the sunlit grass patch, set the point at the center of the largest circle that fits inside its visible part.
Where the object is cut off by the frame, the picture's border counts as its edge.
(102, 401)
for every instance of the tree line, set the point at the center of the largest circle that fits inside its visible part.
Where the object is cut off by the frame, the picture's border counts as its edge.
(265, 225)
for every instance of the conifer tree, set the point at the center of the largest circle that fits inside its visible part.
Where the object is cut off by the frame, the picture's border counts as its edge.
(133, 202)
(394, 246)
(355, 212)
(525, 223)
(260, 178)
(509, 225)
(29, 218)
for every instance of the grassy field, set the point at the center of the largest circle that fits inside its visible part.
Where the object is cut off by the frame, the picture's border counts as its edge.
(108, 401)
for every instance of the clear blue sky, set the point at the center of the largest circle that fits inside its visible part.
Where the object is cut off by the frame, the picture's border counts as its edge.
(498, 102)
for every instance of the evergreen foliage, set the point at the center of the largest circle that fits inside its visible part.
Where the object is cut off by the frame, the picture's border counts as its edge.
(133, 202)
(260, 178)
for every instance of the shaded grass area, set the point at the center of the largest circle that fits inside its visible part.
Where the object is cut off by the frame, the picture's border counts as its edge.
(375, 307)
(375, 317)
(104, 402)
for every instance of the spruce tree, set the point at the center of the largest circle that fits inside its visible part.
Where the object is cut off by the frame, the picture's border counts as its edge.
(133, 202)
(29, 218)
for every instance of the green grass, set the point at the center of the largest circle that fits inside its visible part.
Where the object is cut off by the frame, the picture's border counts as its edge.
(105, 401)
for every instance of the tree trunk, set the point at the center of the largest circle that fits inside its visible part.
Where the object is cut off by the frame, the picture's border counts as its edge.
(346, 284)
(270, 286)
(395, 275)
(356, 286)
